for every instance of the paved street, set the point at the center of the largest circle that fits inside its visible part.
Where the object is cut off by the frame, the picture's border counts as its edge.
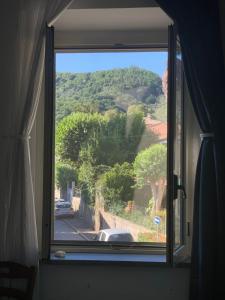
(72, 229)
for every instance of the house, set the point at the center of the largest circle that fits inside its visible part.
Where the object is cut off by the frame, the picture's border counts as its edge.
(90, 280)
(158, 127)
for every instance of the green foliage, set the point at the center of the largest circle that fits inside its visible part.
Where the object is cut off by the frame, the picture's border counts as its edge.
(116, 208)
(150, 206)
(89, 172)
(66, 107)
(87, 178)
(101, 128)
(150, 165)
(102, 90)
(138, 136)
(102, 139)
(134, 129)
(151, 237)
(160, 111)
(117, 185)
(77, 131)
(112, 143)
(136, 108)
(139, 218)
(65, 174)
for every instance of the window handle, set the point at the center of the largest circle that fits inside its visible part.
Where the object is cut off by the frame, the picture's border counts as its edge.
(182, 189)
(178, 187)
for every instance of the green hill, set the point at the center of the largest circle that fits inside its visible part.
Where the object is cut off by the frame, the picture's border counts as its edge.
(103, 90)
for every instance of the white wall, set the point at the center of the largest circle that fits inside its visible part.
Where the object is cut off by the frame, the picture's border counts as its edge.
(83, 282)
(110, 38)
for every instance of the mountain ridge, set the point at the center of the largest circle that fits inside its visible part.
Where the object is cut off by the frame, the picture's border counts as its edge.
(103, 90)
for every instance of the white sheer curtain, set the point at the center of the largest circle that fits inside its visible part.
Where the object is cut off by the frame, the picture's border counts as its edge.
(23, 65)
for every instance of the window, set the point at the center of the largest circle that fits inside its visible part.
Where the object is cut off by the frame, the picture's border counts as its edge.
(116, 151)
(110, 148)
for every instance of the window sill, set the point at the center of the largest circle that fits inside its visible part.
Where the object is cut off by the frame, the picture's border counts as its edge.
(99, 258)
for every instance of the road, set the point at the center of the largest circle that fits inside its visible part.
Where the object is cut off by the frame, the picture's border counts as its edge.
(73, 229)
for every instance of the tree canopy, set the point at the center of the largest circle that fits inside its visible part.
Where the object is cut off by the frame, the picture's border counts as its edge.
(109, 139)
(65, 174)
(76, 131)
(150, 165)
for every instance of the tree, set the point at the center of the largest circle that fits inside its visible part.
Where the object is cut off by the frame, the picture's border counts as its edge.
(116, 185)
(139, 137)
(112, 142)
(89, 171)
(65, 175)
(134, 129)
(95, 142)
(111, 138)
(87, 179)
(76, 131)
(150, 169)
(136, 108)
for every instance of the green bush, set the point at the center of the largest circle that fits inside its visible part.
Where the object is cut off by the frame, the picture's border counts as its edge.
(150, 165)
(76, 131)
(87, 178)
(117, 185)
(116, 208)
(65, 174)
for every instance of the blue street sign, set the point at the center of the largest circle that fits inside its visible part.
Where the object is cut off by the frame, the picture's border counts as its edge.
(157, 220)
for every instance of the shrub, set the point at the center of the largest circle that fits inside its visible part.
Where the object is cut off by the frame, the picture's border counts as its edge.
(65, 174)
(117, 185)
(116, 208)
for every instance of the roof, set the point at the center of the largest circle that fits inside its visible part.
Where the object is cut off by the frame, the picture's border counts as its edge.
(157, 126)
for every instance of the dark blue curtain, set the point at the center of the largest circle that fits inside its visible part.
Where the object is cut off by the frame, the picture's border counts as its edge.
(198, 26)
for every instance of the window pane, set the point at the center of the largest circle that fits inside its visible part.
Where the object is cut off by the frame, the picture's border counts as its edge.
(111, 147)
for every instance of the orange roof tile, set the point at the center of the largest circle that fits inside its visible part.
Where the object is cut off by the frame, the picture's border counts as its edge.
(158, 127)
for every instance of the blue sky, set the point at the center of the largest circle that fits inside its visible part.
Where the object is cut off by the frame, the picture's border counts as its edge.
(90, 62)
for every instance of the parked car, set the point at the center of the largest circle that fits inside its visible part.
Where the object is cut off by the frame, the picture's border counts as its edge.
(62, 204)
(114, 235)
(63, 209)
(59, 200)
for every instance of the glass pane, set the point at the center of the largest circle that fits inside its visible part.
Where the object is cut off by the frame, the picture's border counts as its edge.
(111, 147)
(178, 146)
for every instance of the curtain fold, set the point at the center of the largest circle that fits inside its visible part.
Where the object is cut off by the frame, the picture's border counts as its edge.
(23, 66)
(199, 31)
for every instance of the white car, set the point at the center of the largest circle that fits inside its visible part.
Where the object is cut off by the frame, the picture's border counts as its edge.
(63, 209)
(114, 235)
(59, 200)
